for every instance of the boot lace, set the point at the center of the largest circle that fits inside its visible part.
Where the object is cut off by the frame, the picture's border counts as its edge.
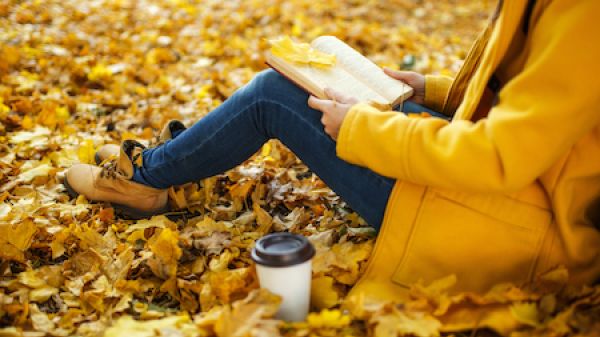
(109, 166)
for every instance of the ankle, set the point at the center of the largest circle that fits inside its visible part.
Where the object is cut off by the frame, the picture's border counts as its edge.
(139, 176)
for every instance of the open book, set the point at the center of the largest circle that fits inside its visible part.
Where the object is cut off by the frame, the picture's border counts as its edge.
(351, 74)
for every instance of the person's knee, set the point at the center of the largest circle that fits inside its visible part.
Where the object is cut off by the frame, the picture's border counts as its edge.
(270, 84)
(268, 81)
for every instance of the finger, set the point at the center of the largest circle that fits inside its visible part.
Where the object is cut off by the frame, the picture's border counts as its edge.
(324, 122)
(404, 76)
(318, 104)
(339, 97)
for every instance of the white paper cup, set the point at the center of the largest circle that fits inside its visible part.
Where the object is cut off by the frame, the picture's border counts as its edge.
(283, 265)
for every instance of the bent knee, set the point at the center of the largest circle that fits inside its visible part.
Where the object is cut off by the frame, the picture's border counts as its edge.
(271, 84)
(269, 80)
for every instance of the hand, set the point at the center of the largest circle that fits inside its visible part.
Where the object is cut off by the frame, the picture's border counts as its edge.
(334, 110)
(415, 80)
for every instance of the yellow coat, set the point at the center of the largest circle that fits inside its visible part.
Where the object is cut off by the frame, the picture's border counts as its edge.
(505, 197)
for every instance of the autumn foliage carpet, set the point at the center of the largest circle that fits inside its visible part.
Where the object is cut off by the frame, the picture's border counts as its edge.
(78, 74)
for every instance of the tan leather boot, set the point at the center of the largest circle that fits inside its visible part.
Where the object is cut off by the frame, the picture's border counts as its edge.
(112, 183)
(109, 151)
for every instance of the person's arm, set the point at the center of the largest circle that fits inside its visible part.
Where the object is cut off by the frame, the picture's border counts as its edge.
(541, 113)
(429, 90)
(436, 90)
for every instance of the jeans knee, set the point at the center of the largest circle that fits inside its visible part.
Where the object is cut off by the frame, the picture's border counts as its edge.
(271, 85)
(268, 81)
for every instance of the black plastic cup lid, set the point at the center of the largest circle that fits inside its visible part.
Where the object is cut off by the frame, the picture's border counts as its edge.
(282, 250)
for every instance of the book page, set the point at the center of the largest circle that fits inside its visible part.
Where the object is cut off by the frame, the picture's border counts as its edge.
(315, 79)
(362, 68)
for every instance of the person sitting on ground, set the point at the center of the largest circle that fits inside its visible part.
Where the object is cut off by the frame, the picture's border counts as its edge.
(501, 192)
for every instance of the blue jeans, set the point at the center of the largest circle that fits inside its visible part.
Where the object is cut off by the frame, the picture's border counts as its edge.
(268, 107)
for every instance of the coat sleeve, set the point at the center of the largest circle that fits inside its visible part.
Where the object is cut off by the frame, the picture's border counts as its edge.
(436, 90)
(541, 113)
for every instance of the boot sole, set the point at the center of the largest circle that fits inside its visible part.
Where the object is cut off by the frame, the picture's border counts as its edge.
(121, 210)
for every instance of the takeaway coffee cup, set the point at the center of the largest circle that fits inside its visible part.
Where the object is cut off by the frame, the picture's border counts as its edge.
(283, 265)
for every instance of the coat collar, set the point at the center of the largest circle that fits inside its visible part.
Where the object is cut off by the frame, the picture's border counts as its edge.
(504, 29)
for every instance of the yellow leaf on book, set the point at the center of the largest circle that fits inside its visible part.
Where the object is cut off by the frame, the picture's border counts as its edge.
(301, 53)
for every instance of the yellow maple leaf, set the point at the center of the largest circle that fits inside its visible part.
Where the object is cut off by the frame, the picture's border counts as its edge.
(16, 238)
(526, 313)
(27, 123)
(300, 53)
(136, 231)
(322, 293)
(328, 319)
(86, 152)
(62, 114)
(99, 73)
(266, 151)
(203, 91)
(165, 247)
(4, 109)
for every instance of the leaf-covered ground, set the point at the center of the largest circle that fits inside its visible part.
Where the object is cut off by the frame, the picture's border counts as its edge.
(78, 74)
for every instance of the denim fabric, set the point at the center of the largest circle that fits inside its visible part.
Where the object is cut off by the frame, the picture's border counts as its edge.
(268, 107)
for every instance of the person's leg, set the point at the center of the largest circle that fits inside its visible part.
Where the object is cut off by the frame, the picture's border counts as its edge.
(411, 107)
(268, 107)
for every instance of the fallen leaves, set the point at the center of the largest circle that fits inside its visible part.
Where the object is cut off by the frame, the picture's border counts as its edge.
(250, 316)
(79, 74)
(328, 319)
(342, 260)
(127, 326)
(396, 322)
(16, 238)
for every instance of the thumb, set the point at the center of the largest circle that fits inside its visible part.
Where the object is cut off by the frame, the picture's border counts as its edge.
(404, 76)
(338, 96)
(315, 103)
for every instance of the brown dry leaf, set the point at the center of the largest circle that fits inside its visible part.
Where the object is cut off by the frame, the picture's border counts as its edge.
(342, 261)
(226, 285)
(250, 316)
(16, 238)
(137, 231)
(263, 219)
(526, 313)
(165, 247)
(400, 323)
